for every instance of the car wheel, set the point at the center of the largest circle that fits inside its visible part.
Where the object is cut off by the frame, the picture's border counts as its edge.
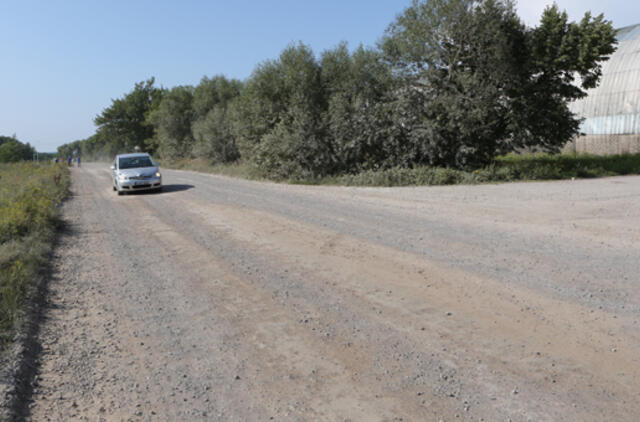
(114, 188)
(120, 193)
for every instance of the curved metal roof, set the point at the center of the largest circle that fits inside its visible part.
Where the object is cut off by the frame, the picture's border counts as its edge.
(613, 108)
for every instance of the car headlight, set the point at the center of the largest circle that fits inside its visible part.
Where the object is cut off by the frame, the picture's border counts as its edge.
(158, 174)
(122, 176)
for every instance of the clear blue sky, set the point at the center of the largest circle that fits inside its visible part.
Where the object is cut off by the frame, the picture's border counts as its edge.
(63, 61)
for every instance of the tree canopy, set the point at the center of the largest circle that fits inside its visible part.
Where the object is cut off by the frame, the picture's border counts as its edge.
(478, 83)
(12, 150)
(124, 124)
(452, 83)
(213, 107)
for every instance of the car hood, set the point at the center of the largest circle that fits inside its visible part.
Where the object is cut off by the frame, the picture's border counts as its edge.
(138, 172)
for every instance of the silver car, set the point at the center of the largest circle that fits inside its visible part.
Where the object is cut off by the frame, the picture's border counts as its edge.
(135, 172)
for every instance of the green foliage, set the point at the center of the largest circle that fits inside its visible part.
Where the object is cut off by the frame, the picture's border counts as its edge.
(11, 294)
(452, 84)
(280, 110)
(4, 139)
(217, 91)
(400, 176)
(548, 167)
(12, 150)
(478, 83)
(558, 53)
(358, 119)
(258, 109)
(172, 122)
(214, 139)
(29, 195)
(124, 124)
(507, 168)
(212, 128)
(459, 59)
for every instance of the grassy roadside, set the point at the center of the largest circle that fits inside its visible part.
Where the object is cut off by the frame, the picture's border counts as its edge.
(508, 168)
(29, 197)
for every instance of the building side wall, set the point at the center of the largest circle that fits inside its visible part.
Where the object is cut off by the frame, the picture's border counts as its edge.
(605, 144)
(611, 112)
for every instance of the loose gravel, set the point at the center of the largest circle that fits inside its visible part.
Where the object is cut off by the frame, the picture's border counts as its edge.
(223, 299)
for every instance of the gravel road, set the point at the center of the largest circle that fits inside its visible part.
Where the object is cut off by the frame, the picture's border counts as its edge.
(231, 300)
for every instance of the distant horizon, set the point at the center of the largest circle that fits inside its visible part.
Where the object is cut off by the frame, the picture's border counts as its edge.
(95, 53)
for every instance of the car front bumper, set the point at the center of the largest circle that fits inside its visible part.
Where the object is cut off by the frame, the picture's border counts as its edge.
(140, 185)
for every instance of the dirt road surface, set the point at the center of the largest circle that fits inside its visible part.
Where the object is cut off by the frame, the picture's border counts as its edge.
(231, 300)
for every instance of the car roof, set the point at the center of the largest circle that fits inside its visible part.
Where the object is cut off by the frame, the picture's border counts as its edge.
(135, 154)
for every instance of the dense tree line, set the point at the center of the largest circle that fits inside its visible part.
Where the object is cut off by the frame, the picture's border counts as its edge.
(12, 150)
(452, 83)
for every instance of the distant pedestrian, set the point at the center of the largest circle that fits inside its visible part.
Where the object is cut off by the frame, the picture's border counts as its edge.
(69, 161)
(78, 161)
(57, 160)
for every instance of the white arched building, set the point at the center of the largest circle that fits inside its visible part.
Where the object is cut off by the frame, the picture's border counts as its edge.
(611, 111)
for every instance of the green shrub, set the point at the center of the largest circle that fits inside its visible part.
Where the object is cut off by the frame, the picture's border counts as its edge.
(508, 168)
(549, 166)
(29, 195)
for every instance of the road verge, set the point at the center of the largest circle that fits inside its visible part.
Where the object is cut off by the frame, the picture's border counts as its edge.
(30, 197)
(506, 168)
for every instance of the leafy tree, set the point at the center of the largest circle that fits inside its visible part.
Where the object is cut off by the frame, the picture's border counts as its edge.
(214, 91)
(278, 117)
(453, 83)
(478, 83)
(4, 139)
(12, 150)
(258, 109)
(214, 139)
(172, 121)
(358, 119)
(125, 122)
(559, 52)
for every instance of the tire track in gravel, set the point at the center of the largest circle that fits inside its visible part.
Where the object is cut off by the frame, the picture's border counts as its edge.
(282, 338)
(123, 347)
(411, 294)
(577, 240)
(129, 371)
(211, 304)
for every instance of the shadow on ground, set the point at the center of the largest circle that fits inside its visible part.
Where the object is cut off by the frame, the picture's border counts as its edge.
(176, 188)
(23, 360)
(165, 189)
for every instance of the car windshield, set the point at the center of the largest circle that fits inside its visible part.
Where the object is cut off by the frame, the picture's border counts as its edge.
(135, 162)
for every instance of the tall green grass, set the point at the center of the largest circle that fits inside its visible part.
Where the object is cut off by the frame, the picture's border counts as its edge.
(507, 168)
(29, 197)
